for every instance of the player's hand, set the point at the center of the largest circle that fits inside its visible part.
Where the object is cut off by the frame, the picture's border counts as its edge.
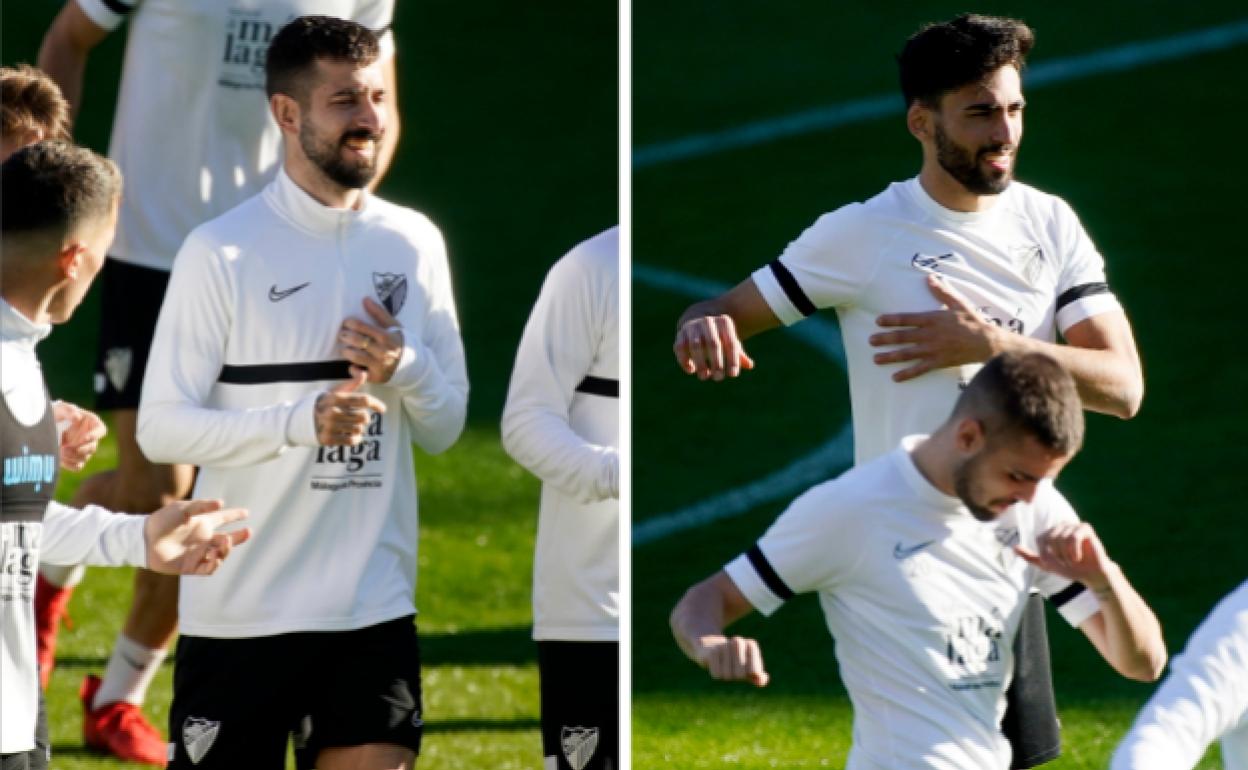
(182, 537)
(1072, 550)
(376, 346)
(342, 414)
(81, 432)
(733, 659)
(710, 348)
(955, 335)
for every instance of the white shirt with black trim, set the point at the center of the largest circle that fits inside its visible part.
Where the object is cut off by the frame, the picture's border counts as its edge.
(246, 342)
(562, 423)
(1204, 698)
(923, 601)
(192, 133)
(1026, 263)
(62, 534)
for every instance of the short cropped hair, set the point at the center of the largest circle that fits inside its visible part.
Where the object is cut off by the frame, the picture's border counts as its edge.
(32, 101)
(296, 47)
(1030, 394)
(53, 189)
(944, 57)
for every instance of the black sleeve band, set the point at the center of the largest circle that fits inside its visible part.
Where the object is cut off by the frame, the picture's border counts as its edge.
(791, 289)
(769, 576)
(263, 374)
(1081, 291)
(118, 7)
(1063, 596)
(600, 386)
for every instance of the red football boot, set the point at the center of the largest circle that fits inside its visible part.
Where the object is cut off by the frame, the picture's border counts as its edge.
(120, 728)
(51, 605)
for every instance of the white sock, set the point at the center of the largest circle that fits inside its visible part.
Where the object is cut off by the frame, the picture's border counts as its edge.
(62, 576)
(130, 670)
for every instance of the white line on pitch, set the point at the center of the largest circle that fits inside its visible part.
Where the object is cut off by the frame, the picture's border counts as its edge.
(1117, 59)
(801, 474)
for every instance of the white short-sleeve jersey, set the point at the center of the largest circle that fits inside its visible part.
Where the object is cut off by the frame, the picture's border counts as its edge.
(1026, 263)
(1204, 698)
(562, 423)
(923, 601)
(192, 131)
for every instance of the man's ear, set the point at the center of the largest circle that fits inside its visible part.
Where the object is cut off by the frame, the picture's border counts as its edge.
(969, 436)
(69, 260)
(286, 112)
(919, 118)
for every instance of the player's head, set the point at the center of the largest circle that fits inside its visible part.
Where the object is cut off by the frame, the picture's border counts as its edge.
(326, 89)
(1018, 422)
(33, 108)
(961, 81)
(58, 213)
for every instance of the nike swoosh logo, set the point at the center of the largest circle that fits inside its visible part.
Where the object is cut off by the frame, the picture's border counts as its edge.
(902, 553)
(278, 296)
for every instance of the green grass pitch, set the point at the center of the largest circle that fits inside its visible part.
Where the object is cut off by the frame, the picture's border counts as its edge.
(1133, 152)
(509, 144)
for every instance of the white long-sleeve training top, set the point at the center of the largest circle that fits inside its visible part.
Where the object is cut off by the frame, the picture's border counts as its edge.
(246, 342)
(34, 527)
(1205, 698)
(562, 423)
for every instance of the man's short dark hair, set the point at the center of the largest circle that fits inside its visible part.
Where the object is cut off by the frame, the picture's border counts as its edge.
(944, 57)
(296, 47)
(1028, 394)
(32, 101)
(52, 189)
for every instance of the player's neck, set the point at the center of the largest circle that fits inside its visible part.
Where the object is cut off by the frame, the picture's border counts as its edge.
(950, 193)
(934, 459)
(30, 298)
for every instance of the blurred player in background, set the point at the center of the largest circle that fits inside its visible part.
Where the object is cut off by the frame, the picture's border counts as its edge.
(309, 338)
(193, 135)
(1204, 698)
(59, 212)
(988, 264)
(923, 559)
(561, 422)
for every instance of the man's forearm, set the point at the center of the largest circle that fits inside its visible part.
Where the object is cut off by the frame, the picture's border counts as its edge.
(1109, 382)
(1134, 644)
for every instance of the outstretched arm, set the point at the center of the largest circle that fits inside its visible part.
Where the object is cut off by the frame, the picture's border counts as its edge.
(709, 333)
(698, 623)
(1101, 354)
(1125, 631)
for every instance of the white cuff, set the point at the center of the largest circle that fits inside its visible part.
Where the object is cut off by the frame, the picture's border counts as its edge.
(301, 425)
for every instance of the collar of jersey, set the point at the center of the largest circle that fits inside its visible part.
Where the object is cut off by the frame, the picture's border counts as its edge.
(945, 505)
(291, 201)
(16, 327)
(914, 190)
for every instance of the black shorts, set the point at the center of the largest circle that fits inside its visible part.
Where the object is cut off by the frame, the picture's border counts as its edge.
(1030, 723)
(580, 683)
(130, 300)
(236, 702)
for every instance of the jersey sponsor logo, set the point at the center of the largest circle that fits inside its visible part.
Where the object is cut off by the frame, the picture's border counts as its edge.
(900, 552)
(1014, 323)
(117, 362)
(247, 36)
(578, 745)
(276, 295)
(198, 735)
(352, 459)
(973, 651)
(929, 263)
(19, 558)
(391, 290)
(29, 469)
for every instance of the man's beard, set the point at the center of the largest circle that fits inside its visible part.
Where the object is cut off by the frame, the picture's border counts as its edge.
(962, 486)
(327, 156)
(964, 166)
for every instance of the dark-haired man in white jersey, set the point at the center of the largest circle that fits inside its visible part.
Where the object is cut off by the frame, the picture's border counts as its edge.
(986, 265)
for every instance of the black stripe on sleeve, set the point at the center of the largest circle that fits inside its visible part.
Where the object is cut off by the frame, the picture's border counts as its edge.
(263, 374)
(599, 386)
(117, 7)
(1081, 291)
(769, 576)
(791, 289)
(1063, 596)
